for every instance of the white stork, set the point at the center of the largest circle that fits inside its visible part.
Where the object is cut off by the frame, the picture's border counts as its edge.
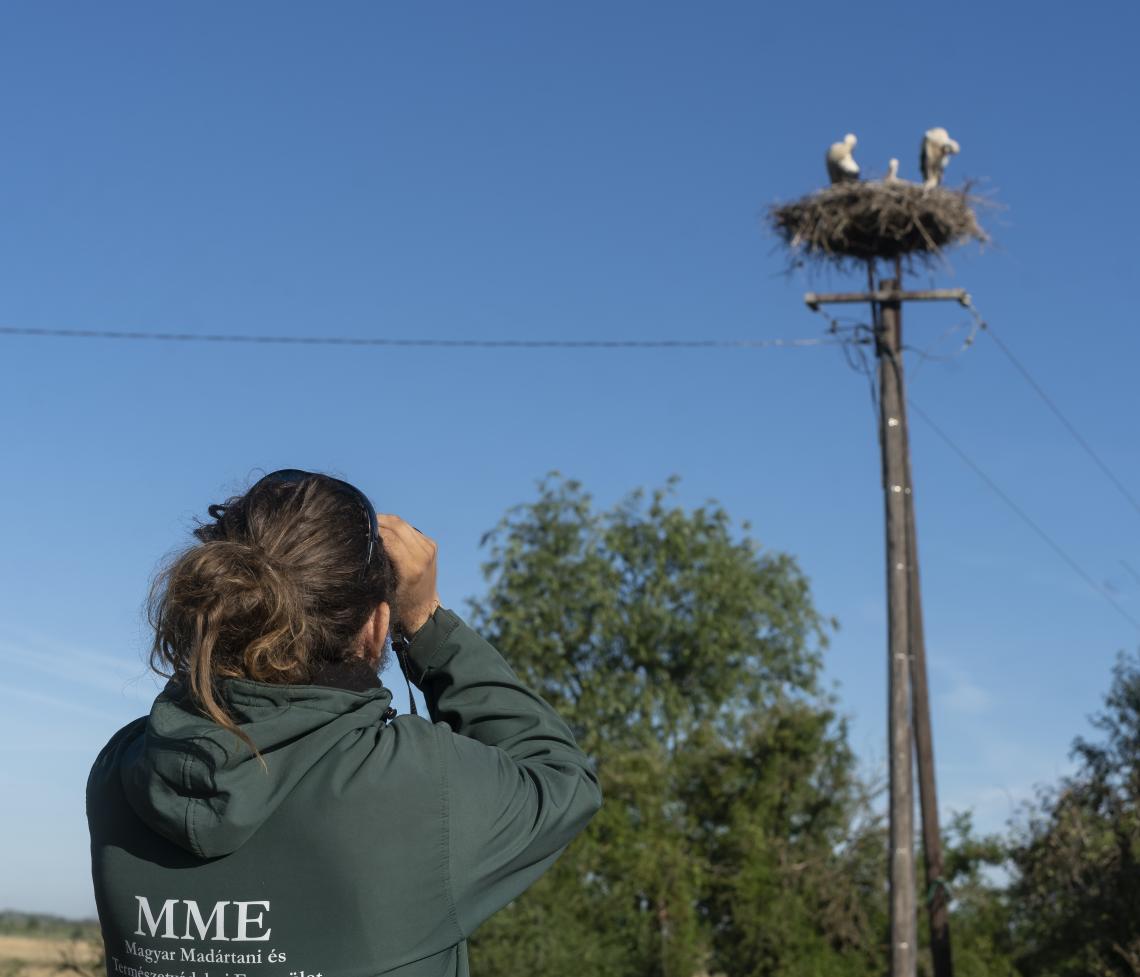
(841, 165)
(892, 171)
(937, 148)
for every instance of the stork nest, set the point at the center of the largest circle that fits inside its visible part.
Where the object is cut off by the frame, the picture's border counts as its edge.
(873, 219)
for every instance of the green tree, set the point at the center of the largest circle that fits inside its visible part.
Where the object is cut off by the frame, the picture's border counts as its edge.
(1076, 893)
(981, 937)
(735, 836)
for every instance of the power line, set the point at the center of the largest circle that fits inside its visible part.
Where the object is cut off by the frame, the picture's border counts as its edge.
(859, 336)
(832, 339)
(186, 337)
(927, 354)
(1024, 516)
(1051, 404)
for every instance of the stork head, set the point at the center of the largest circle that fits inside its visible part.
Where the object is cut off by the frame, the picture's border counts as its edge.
(892, 169)
(849, 140)
(941, 138)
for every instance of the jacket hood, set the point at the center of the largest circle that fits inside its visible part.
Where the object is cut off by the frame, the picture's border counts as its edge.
(203, 788)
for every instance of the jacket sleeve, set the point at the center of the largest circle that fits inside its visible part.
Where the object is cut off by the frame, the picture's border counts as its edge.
(517, 789)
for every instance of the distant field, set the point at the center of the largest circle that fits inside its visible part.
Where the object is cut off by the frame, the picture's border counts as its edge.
(45, 956)
(40, 945)
(14, 923)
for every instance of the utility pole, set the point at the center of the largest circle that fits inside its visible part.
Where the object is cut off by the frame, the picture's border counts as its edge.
(892, 436)
(908, 694)
(937, 897)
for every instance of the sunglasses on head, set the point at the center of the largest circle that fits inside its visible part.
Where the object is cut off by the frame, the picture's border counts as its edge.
(295, 476)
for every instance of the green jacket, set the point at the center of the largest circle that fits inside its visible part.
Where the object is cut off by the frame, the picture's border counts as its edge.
(368, 847)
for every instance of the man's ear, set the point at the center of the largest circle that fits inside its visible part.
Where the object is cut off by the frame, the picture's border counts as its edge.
(381, 621)
(374, 633)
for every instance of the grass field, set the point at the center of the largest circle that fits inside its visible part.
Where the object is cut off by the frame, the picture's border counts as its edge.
(38, 945)
(48, 956)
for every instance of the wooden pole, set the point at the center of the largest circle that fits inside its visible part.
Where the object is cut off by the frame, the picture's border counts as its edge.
(892, 435)
(887, 324)
(938, 903)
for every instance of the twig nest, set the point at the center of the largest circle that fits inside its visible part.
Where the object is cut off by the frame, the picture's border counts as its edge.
(884, 219)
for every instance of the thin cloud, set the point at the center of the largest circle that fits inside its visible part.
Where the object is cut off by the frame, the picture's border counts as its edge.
(963, 694)
(63, 705)
(77, 666)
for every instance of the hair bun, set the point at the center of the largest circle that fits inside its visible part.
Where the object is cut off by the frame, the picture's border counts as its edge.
(273, 586)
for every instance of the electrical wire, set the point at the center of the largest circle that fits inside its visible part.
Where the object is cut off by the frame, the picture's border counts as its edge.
(985, 327)
(1023, 515)
(860, 335)
(185, 337)
(927, 354)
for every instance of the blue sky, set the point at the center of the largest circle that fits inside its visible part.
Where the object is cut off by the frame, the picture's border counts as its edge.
(520, 170)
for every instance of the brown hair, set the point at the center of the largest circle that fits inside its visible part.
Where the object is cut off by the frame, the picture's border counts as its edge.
(275, 587)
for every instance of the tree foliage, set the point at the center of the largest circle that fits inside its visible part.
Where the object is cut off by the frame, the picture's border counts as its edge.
(687, 661)
(736, 837)
(1076, 893)
(980, 907)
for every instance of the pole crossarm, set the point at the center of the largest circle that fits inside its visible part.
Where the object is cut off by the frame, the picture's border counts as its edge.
(813, 300)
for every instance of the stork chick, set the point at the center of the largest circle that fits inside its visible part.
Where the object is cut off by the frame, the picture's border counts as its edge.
(841, 165)
(937, 148)
(892, 171)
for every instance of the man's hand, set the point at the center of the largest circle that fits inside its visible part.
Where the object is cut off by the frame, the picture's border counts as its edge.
(414, 556)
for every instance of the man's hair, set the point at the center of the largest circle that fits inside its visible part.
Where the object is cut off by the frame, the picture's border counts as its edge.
(275, 587)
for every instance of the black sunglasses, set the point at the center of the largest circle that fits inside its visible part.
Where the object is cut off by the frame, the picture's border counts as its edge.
(294, 476)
